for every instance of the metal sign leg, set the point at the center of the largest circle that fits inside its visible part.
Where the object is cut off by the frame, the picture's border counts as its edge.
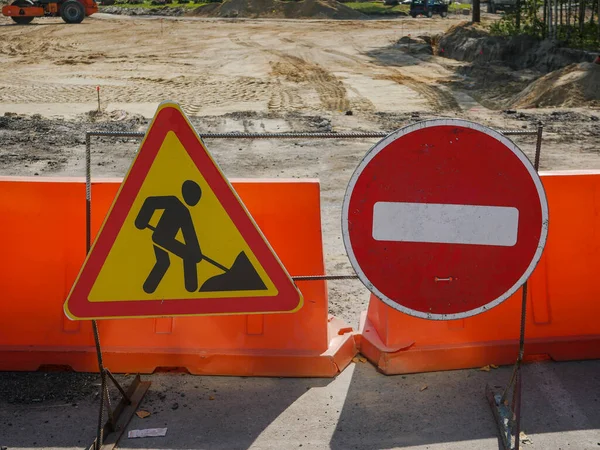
(130, 400)
(508, 414)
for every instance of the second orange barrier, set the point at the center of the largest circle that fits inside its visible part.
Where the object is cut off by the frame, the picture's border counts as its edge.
(563, 308)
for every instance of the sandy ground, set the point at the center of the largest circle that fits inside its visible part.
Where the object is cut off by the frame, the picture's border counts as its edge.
(213, 66)
(271, 75)
(247, 75)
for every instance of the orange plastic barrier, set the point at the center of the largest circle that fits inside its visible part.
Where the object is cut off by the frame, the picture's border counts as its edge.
(42, 236)
(563, 311)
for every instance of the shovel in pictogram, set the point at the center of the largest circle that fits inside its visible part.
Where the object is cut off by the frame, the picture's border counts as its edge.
(242, 276)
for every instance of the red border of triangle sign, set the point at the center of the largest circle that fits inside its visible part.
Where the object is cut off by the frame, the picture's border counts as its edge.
(169, 118)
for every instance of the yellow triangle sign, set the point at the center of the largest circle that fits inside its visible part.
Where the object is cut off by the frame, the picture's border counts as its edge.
(178, 240)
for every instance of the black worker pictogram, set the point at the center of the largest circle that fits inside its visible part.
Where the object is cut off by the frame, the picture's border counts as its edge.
(176, 219)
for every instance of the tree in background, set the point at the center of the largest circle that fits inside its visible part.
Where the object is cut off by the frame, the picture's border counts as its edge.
(476, 11)
(574, 22)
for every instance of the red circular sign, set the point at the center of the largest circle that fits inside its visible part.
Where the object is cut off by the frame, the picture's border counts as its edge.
(444, 219)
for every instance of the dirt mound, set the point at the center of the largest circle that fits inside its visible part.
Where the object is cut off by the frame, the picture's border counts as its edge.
(472, 43)
(521, 71)
(572, 86)
(315, 9)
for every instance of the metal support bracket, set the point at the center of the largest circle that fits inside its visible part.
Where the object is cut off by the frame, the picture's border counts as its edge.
(122, 414)
(118, 418)
(507, 419)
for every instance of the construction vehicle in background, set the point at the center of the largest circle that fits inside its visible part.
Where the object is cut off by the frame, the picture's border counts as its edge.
(501, 5)
(71, 11)
(428, 8)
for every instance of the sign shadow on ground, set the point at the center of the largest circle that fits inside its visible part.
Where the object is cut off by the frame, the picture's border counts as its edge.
(448, 410)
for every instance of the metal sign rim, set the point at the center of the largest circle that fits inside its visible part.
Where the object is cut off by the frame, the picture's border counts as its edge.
(378, 147)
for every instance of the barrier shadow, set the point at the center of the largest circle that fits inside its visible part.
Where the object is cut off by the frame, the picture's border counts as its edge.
(198, 411)
(450, 409)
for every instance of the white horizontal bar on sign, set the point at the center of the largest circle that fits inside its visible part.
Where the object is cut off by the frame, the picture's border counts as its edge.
(445, 224)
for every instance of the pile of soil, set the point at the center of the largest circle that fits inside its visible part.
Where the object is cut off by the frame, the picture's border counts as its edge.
(291, 9)
(419, 45)
(521, 71)
(58, 133)
(472, 43)
(573, 86)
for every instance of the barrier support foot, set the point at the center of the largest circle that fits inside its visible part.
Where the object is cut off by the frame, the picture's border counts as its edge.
(507, 415)
(118, 419)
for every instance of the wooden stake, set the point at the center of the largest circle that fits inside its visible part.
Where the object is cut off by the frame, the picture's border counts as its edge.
(98, 91)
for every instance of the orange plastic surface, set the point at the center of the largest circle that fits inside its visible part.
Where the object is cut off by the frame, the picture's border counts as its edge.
(91, 7)
(19, 11)
(42, 232)
(563, 310)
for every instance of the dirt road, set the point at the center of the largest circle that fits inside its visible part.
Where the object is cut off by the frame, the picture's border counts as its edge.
(247, 75)
(214, 66)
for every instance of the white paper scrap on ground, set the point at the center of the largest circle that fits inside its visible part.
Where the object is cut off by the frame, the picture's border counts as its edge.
(148, 432)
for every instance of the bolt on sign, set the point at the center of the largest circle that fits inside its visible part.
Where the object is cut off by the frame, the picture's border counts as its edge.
(178, 240)
(444, 219)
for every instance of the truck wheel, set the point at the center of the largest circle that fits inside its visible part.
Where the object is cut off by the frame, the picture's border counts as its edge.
(413, 15)
(429, 14)
(72, 11)
(444, 14)
(18, 19)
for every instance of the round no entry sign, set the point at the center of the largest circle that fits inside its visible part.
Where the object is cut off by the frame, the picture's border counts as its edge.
(444, 219)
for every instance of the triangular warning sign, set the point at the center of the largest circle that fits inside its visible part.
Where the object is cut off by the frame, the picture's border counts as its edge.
(178, 240)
